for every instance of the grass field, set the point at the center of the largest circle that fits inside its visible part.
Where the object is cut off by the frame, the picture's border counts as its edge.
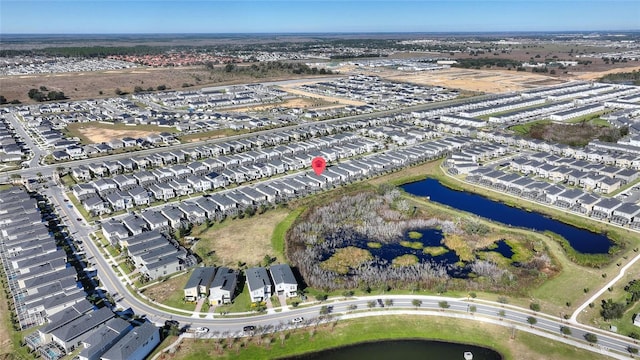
(236, 241)
(523, 347)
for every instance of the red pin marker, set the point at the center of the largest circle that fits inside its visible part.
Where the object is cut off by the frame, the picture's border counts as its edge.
(318, 164)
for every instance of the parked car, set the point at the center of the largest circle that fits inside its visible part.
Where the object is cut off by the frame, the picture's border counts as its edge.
(202, 330)
(297, 320)
(248, 328)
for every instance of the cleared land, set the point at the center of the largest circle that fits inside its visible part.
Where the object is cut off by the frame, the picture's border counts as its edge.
(95, 133)
(236, 241)
(487, 81)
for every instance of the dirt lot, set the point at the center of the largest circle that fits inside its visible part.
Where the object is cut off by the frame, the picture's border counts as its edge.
(166, 289)
(97, 135)
(598, 74)
(245, 240)
(488, 81)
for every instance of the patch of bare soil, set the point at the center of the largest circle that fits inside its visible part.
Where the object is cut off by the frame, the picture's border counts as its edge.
(97, 135)
(486, 81)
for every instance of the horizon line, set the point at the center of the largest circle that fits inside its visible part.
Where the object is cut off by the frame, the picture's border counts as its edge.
(334, 32)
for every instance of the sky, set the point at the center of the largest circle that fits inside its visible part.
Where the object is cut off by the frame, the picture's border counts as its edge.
(309, 16)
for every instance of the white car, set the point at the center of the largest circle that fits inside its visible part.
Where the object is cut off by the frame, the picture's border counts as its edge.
(297, 320)
(202, 330)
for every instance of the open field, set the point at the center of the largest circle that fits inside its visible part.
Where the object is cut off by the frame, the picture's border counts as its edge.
(96, 132)
(169, 292)
(236, 241)
(523, 347)
(101, 84)
(486, 81)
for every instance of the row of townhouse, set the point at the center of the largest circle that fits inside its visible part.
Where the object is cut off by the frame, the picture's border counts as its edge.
(557, 89)
(619, 92)
(39, 279)
(617, 154)
(210, 157)
(164, 184)
(577, 112)
(466, 105)
(11, 145)
(491, 109)
(148, 249)
(591, 176)
(593, 89)
(98, 333)
(539, 111)
(576, 200)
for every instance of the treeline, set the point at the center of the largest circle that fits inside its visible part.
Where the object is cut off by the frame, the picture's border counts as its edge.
(622, 78)
(87, 51)
(43, 94)
(357, 56)
(486, 62)
(263, 69)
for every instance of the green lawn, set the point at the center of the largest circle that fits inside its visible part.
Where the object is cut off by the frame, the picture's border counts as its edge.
(241, 302)
(279, 233)
(524, 346)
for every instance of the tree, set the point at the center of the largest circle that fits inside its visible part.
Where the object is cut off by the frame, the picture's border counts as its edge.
(321, 297)
(565, 330)
(371, 304)
(502, 314)
(472, 309)
(632, 350)
(352, 307)
(138, 89)
(388, 302)
(534, 306)
(532, 321)
(3, 100)
(443, 305)
(324, 310)
(503, 300)
(416, 302)
(612, 310)
(591, 338)
(162, 87)
(117, 91)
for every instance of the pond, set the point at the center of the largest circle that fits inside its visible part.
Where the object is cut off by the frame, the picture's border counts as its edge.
(419, 246)
(581, 240)
(403, 349)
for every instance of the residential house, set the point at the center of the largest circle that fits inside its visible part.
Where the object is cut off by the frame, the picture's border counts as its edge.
(137, 344)
(258, 283)
(223, 287)
(197, 286)
(283, 280)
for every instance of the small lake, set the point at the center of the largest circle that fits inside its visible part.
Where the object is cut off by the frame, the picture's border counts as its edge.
(402, 349)
(581, 240)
